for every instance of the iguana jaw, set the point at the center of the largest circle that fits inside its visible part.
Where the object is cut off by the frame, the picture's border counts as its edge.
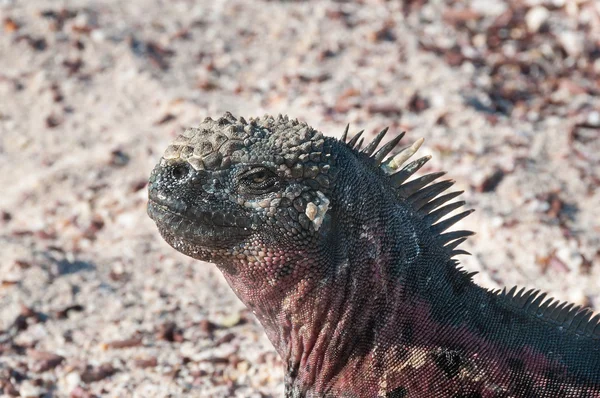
(205, 229)
(183, 213)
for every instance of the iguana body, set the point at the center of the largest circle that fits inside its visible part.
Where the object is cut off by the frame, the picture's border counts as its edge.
(346, 266)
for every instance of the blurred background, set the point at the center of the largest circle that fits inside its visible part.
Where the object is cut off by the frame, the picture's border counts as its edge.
(94, 303)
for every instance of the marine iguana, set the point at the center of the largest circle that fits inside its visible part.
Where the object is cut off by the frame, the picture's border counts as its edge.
(345, 263)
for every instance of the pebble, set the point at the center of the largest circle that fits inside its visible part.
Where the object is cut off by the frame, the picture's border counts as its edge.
(489, 8)
(98, 35)
(570, 257)
(231, 320)
(536, 17)
(572, 42)
(72, 380)
(29, 390)
(593, 119)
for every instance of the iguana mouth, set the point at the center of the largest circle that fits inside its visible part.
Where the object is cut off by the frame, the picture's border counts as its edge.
(203, 228)
(160, 212)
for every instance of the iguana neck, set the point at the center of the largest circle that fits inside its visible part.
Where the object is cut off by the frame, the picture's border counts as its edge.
(349, 294)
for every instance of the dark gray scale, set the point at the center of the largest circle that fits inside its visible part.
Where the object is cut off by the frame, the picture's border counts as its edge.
(400, 392)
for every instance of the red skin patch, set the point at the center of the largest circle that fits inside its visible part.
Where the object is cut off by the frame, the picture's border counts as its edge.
(311, 339)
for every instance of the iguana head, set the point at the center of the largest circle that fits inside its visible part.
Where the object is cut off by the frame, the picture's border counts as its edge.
(265, 198)
(314, 234)
(245, 195)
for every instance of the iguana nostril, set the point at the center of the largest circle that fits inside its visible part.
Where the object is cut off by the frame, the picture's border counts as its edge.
(180, 171)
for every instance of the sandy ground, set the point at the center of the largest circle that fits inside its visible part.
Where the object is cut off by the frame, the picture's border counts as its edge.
(94, 303)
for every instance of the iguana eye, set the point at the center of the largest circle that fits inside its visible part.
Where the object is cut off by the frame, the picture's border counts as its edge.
(259, 179)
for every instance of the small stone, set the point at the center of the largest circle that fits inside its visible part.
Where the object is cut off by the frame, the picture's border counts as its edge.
(229, 337)
(80, 392)
(92, 374)
(125, 343)
(593, 119)
(10, 25)
(73, 380)
(489, 8)
(231, 320)
(98, 35)
(146, 362)
(497, 222)
(167, 331)
(206, 326)
(491, 181)
(44, 360)
(118, 158)
(536, 17)
(29, 390)
(572, 42)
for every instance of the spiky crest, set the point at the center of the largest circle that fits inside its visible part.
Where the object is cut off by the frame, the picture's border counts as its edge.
(567, 316)
(352, 143)
(422, 194)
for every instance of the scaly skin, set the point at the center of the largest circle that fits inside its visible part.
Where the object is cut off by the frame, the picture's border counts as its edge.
(346, 267)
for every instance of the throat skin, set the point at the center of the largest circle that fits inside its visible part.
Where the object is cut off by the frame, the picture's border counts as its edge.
(327, 324)
(353, 302)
